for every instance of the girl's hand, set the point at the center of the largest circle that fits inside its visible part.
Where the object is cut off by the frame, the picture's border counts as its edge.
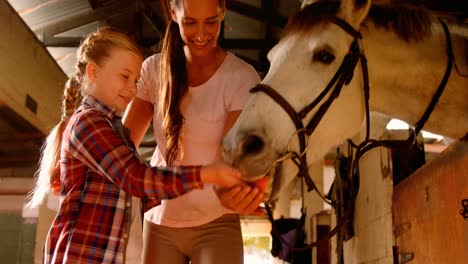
(221, 174)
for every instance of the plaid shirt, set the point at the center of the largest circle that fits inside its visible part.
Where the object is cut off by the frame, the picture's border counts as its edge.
(99, 173)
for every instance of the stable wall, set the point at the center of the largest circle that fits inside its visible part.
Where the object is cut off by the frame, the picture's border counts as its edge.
(31, 82)
(373, 239)
(428, 225)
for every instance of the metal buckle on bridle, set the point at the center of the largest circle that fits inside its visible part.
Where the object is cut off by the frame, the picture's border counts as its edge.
(290, 154)
(306, 139)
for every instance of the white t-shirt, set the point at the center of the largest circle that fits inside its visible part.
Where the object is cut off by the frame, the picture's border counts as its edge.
(205, 109)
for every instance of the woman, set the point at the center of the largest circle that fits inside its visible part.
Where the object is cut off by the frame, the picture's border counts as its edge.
(193, 91)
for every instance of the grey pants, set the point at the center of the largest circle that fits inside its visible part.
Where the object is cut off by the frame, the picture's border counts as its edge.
(218, 242)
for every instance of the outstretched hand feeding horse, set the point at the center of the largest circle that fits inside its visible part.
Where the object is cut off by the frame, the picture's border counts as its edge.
(312, 97)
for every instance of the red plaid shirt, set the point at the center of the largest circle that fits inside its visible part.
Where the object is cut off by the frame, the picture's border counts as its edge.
(99, 173)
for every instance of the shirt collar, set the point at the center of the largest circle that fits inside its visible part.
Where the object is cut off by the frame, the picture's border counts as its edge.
(91, 102)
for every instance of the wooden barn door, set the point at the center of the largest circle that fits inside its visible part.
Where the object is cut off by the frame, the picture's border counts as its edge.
(428, 225)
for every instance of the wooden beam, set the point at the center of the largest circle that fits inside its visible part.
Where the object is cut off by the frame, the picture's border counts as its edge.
(93, 3)
(256, 13)
(20, 158)
(71, 42)
(35, 7)
(21, 136)
(83, 18)
(158, 22)
(50, 41)
(247, 43)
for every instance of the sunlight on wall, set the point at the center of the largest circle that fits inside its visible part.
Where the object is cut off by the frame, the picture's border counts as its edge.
(396, 124)
(257, 241)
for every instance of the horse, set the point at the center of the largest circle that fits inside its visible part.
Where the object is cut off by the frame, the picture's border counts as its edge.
(407, 55)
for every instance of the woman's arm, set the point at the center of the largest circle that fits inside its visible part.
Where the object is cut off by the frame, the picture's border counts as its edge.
(137, 119)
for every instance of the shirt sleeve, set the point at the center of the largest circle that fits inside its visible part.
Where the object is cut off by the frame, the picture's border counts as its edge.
(96, 144)
(148, 83)
(246, 79)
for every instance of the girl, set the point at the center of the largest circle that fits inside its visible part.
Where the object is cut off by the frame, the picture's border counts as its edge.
(193, 91)
(98, 168)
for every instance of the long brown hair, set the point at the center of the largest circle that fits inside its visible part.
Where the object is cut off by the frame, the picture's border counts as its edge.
(173, 85)
(94, 48)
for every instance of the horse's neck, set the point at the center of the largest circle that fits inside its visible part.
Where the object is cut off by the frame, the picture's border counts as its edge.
(405, 75)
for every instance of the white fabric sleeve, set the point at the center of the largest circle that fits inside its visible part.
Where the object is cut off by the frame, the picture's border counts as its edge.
(246, 79)
(147, 86)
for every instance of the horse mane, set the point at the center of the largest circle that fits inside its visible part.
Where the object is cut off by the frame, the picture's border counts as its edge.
(408, 22)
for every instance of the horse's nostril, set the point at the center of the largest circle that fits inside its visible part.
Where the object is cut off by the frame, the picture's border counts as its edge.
(252, 145)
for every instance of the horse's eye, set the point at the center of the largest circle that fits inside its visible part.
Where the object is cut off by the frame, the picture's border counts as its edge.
(324, 57)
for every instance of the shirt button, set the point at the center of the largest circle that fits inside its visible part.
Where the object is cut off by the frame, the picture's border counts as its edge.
(128, 204)
(125, 235)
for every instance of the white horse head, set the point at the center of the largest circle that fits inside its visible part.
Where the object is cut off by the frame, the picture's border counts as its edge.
(303, 63)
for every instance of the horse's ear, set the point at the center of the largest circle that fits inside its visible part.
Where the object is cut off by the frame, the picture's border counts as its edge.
(354, 11)
(308, 2)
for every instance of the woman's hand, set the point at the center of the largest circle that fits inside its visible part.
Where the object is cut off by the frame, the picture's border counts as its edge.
(242, 199)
